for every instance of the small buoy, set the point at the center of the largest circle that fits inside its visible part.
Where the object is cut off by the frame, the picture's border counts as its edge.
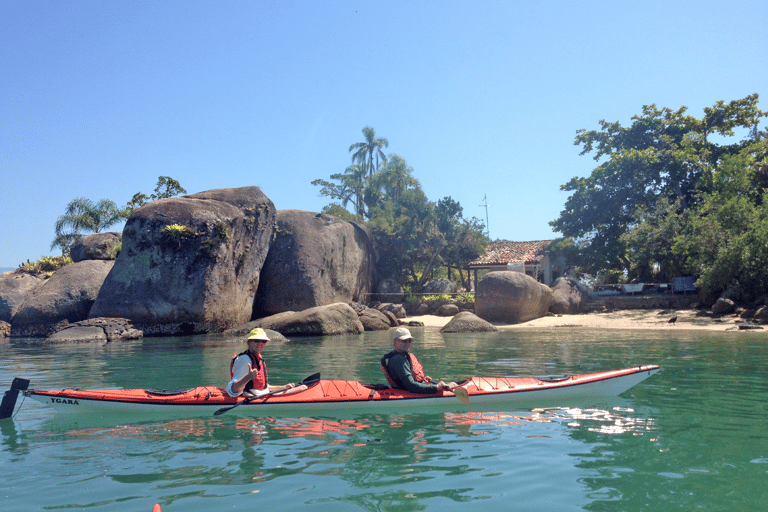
(156, 508)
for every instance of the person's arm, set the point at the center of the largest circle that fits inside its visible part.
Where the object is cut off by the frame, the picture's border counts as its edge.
(242, 374)
(400, 367)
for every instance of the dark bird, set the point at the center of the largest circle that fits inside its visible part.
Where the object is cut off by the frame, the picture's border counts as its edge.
(672, 320)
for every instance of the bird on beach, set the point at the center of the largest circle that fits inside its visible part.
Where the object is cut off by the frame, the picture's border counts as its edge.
(672, 320)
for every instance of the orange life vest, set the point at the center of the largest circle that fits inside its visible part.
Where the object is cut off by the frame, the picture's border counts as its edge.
(262, 379)
(416, 369)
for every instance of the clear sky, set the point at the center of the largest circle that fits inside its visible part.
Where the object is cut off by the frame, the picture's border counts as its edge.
(98, 99)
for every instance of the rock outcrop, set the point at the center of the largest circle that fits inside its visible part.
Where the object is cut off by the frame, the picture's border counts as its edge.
(511, 297)
(96, 330)
(328, 320)
(190, 264)
(15, 287)
(315, 259)
(468, 322)
(98, 246)
(67, 296)
(569, 297)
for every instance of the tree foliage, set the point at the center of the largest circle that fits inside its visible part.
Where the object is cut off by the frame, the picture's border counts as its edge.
(83, 215)
(369, 153)
(166, 187)
(648, 174)
(412, 235)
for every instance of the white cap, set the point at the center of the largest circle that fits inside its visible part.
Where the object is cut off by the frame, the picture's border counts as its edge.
(401, 333)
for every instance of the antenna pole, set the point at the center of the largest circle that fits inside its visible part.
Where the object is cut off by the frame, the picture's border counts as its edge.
(487, 226)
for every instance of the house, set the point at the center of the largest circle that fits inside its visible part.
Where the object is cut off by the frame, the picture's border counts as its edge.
(532, 258)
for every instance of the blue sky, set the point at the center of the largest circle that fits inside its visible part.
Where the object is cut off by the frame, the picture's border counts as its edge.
(98, 99)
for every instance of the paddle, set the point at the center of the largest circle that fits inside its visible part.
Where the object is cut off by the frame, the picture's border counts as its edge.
(461, 394)
(312, 379)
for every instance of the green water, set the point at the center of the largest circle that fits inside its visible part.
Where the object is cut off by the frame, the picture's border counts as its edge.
(692, 437)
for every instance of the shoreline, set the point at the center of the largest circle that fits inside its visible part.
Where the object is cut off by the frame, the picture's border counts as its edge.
(638, 319)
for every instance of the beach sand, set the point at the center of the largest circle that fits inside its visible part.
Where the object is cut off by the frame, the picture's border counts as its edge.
(620, 319)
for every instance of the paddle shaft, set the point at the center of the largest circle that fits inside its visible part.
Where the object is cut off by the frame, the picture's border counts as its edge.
(309, 380)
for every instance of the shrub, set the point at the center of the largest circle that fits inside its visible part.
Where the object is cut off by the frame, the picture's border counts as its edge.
(46, 265)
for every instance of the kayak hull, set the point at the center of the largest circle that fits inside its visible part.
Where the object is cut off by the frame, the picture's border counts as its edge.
(331, 396)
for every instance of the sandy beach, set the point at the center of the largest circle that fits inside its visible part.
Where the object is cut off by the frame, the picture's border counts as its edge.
(621, 319)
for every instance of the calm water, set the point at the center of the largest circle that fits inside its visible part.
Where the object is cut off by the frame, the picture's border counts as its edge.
(692, 437)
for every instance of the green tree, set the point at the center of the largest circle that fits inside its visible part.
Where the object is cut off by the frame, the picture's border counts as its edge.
(166, 187)
(465, 239)
(84, 215)
(405, 236)
(662, 154)
(723, 240)
(369, 153)
(351, 188)
(395, 178)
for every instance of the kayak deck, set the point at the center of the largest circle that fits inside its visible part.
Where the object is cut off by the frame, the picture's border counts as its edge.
(330, 395)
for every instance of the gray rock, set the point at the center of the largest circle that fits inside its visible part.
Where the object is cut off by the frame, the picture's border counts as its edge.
(375, 320)
(511, 297)
(199, 277)
(98, 246)
(67, 296)
(569, 297)
(95, 330)
(723, 306)
(388, 290)
(5, 331)
(447, 310)
(396, 309)
(439, 286)
(15, 287)
(327, 320)
(315, 259)
(468, 322)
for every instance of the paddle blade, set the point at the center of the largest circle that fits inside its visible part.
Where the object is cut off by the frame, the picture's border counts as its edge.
(461, 394)
(312, 379)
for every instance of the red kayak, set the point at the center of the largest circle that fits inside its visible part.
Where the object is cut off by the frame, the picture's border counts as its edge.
(328, 396)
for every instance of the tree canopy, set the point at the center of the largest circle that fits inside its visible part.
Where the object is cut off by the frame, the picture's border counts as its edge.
(662, 165)
(81, 215)
(413, 235)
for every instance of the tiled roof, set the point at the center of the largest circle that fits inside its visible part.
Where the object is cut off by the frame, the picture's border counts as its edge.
(502, 252)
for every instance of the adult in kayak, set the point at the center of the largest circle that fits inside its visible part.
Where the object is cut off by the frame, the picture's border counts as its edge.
(403, 370)
(249, 370)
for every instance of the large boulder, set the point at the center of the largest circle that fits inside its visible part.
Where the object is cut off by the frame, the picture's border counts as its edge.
(375, 320)
(315, 259)
(15, 287)
(98, 246)
(328, 320)
(511, 297)
(468, 322)
(569, 297)
(190, 264)
(67, 296)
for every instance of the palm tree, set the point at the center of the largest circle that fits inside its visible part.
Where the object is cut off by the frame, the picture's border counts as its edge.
(366, 151)
(396, 177)
(84, 214)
